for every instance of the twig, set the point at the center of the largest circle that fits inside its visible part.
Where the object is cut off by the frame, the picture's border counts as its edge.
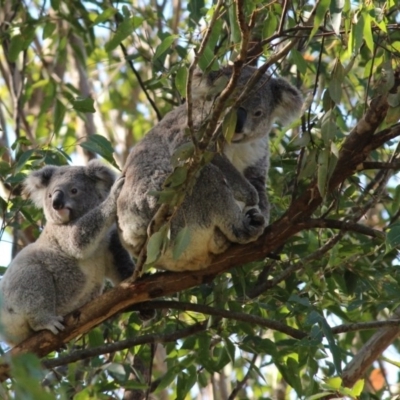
(240, 384)
(140, 81)
(361, 326)
(342, 225)
(380, 165)
(238, 316)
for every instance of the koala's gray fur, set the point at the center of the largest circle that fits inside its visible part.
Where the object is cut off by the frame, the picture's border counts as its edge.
(228, 203)
(78, 249)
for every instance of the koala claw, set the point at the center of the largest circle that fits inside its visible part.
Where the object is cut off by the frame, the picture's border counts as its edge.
(55, 325)
(256, 218)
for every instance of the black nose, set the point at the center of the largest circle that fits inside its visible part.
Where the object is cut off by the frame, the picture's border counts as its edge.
(241, 114)
(58, 200)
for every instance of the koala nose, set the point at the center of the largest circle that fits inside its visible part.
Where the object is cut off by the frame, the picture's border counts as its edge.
(58, 200)
(241, 114)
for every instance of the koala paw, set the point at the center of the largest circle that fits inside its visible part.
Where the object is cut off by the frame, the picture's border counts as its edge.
(54, 324)
(256, 218)
(255, 223)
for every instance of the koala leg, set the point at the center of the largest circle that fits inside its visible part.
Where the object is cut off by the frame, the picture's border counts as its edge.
(230, 210)
(30, 301)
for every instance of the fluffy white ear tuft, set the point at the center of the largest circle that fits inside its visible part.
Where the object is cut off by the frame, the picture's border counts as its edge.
(289, 101)
(36, 182)
(102, 175)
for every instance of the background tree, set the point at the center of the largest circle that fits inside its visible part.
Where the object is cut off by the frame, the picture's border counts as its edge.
(81, 79)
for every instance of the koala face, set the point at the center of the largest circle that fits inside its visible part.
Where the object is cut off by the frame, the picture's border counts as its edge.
(67, 193)
(270, 100)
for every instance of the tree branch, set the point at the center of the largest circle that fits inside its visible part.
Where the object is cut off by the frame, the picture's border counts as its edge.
(241, 383)
(343, 226)
(371, 350)
(140, 81)
(238, 316)
(124, 344)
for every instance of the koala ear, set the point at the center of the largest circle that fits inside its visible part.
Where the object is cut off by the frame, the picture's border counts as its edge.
(288, 101)
(36, 182)
(102, 175)
(205, 86)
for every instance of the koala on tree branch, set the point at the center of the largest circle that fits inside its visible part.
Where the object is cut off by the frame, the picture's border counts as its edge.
(78, 249)
(228, 203)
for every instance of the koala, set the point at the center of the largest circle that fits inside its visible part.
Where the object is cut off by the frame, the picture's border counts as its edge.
(228, 203)
(77, 250)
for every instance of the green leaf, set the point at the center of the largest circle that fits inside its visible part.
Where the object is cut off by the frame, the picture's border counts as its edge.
(336, 9)
(96, 337)
(181, 242)
(328, 127)
(181, 79)
(106, 15)
(367, 30)
(335, 85)
(234, 26)
(182, 153)
(319, 396)
(270, 25)
(333, 347)
(182, 387)
(298, 60)
(164, 46)
(85, 105)
(100, 145)
(393, 237)
(229, 125)
(155, 246)
(48, 30)
(322, 174)
(358, 388)
(16, 46)
(167, 379)
(125, 28)
(59, 114)
(208, 60)
(177, 177)
(322, 9)
(22, 159)
(195, 8)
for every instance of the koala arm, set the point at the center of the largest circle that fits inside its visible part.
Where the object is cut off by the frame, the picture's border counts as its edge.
(120, 266)
(240, 187)
(80, 238)
(256, 175)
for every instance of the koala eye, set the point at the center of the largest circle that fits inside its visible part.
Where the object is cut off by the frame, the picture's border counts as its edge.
(49, 195)
(74, 190)
(258, 113)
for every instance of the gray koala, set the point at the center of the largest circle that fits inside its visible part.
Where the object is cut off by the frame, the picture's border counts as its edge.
(77, 250)
(228, 203)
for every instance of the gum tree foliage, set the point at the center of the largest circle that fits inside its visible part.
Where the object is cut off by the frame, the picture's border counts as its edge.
(86, 79)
